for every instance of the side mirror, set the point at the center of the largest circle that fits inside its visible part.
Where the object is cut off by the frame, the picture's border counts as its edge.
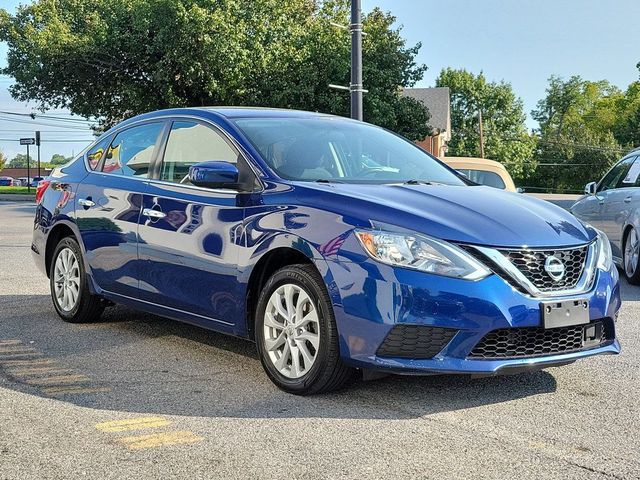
(590, 188)
(214, 175)
(520, 190)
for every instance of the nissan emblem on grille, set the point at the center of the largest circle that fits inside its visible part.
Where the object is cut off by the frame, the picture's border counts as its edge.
(554, 267)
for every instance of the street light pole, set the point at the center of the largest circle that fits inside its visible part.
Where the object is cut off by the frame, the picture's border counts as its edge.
(356, 60)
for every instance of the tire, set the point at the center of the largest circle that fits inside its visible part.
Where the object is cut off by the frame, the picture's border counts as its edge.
(81, 307)
(317, 370)
(631, 256)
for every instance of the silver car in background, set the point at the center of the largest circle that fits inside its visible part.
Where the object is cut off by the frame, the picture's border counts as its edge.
(613, 206)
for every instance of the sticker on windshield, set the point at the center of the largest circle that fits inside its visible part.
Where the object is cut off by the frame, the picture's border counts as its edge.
(633, 173)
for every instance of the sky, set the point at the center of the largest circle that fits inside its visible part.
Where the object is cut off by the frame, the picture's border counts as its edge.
(520, 41)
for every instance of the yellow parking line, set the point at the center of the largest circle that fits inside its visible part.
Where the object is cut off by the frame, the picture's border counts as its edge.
(73, 390)
(58, 379)
(133, 424)
(9, 342)
(16, 349)
(26, 363)
(40, 371)
(19, 355)
(159, 439)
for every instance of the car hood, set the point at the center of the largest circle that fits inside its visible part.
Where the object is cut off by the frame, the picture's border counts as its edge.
(474, 215)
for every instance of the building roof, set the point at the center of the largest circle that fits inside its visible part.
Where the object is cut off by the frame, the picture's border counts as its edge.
(437, 100)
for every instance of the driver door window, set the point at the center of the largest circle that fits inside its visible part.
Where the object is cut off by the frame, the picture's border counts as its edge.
(190, 143)
(615, 176)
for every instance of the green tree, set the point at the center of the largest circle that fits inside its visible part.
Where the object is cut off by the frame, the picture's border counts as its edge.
(577, 134)
(57, 159)
(111, 60)
(20, 161)
(503, 119)
(3, 160)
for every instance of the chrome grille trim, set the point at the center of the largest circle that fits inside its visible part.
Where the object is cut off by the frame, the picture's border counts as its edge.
(512, 274)
(532, 265)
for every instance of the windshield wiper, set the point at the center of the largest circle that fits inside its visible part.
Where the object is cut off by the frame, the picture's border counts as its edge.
(417, 182)
(326, 180)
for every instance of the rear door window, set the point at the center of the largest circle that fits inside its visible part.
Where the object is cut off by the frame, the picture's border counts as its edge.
(131, 151)
(95, 154)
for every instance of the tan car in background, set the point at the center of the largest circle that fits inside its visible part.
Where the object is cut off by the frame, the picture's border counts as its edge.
(483, 171)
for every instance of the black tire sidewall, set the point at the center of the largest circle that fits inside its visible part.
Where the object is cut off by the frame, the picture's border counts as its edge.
(325, 317)
(70, 243)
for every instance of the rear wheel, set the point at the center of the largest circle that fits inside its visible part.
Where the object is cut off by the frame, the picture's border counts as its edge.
(296, 333)
(69, 285)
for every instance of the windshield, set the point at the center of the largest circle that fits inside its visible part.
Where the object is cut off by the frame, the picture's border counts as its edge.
(331, 149)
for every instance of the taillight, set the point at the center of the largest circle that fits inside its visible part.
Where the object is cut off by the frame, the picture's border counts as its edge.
(40, 189)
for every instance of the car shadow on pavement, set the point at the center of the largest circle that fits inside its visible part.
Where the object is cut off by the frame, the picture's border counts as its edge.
(142, 363)
(628, 292)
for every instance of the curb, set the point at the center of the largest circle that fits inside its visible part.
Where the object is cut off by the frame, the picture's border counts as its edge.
(16, 197)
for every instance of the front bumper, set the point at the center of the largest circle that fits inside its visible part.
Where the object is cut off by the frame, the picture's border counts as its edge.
(374, 298)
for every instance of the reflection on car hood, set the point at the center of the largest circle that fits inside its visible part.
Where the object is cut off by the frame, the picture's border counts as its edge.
(475, 215)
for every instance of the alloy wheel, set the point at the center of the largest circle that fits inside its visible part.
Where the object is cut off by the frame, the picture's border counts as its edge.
(291, 330)
(631, 253)
(66, 279)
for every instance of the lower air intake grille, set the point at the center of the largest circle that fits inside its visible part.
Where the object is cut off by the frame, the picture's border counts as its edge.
(415, 341)
(532, 342)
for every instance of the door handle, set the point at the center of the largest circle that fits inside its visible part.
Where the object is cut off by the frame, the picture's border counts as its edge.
(628, 199)
(151, 213)
(86, 203)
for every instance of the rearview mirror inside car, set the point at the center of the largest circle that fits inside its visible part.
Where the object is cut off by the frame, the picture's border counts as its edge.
(214, 174)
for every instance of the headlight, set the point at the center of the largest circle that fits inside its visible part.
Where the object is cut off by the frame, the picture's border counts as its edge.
(421, 253)
(603, 248)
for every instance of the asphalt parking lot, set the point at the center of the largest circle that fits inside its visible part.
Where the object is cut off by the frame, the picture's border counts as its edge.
(138, 396)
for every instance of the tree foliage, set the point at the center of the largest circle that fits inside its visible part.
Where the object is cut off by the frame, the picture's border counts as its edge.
(20, 161)
(111, 60)
(3, 160)
(57, 159)
(583, 131)
(503, 117)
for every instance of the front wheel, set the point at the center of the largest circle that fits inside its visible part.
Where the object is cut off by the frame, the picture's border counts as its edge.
(631, 256)
(296, 333)
(70, 293)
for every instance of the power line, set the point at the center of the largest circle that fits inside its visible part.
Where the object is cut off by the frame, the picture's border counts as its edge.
(33, 116)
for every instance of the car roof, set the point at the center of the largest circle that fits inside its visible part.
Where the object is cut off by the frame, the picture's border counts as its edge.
(457, 162)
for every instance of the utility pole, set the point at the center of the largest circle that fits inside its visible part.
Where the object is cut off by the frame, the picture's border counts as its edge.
(28, 172)
(38, 145)
(356, 86)
(481, 134)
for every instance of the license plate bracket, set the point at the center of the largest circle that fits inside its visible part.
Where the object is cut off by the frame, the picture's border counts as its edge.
(564, 313)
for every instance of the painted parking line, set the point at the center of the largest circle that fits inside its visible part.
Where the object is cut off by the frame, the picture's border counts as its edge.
(154, 440)
(39, 371)
(25, 364)
(13, 355)
(10, 349)
(73, 390)
(58, 380)
(133, 424)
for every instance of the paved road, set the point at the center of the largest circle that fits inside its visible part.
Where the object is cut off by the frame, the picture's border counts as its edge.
(137, 396)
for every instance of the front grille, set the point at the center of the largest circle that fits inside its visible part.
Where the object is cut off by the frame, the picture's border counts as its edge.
(532, 342)
(531, 264)
(415, 341)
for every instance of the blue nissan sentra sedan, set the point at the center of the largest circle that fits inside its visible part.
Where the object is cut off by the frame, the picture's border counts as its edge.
(335, 245)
